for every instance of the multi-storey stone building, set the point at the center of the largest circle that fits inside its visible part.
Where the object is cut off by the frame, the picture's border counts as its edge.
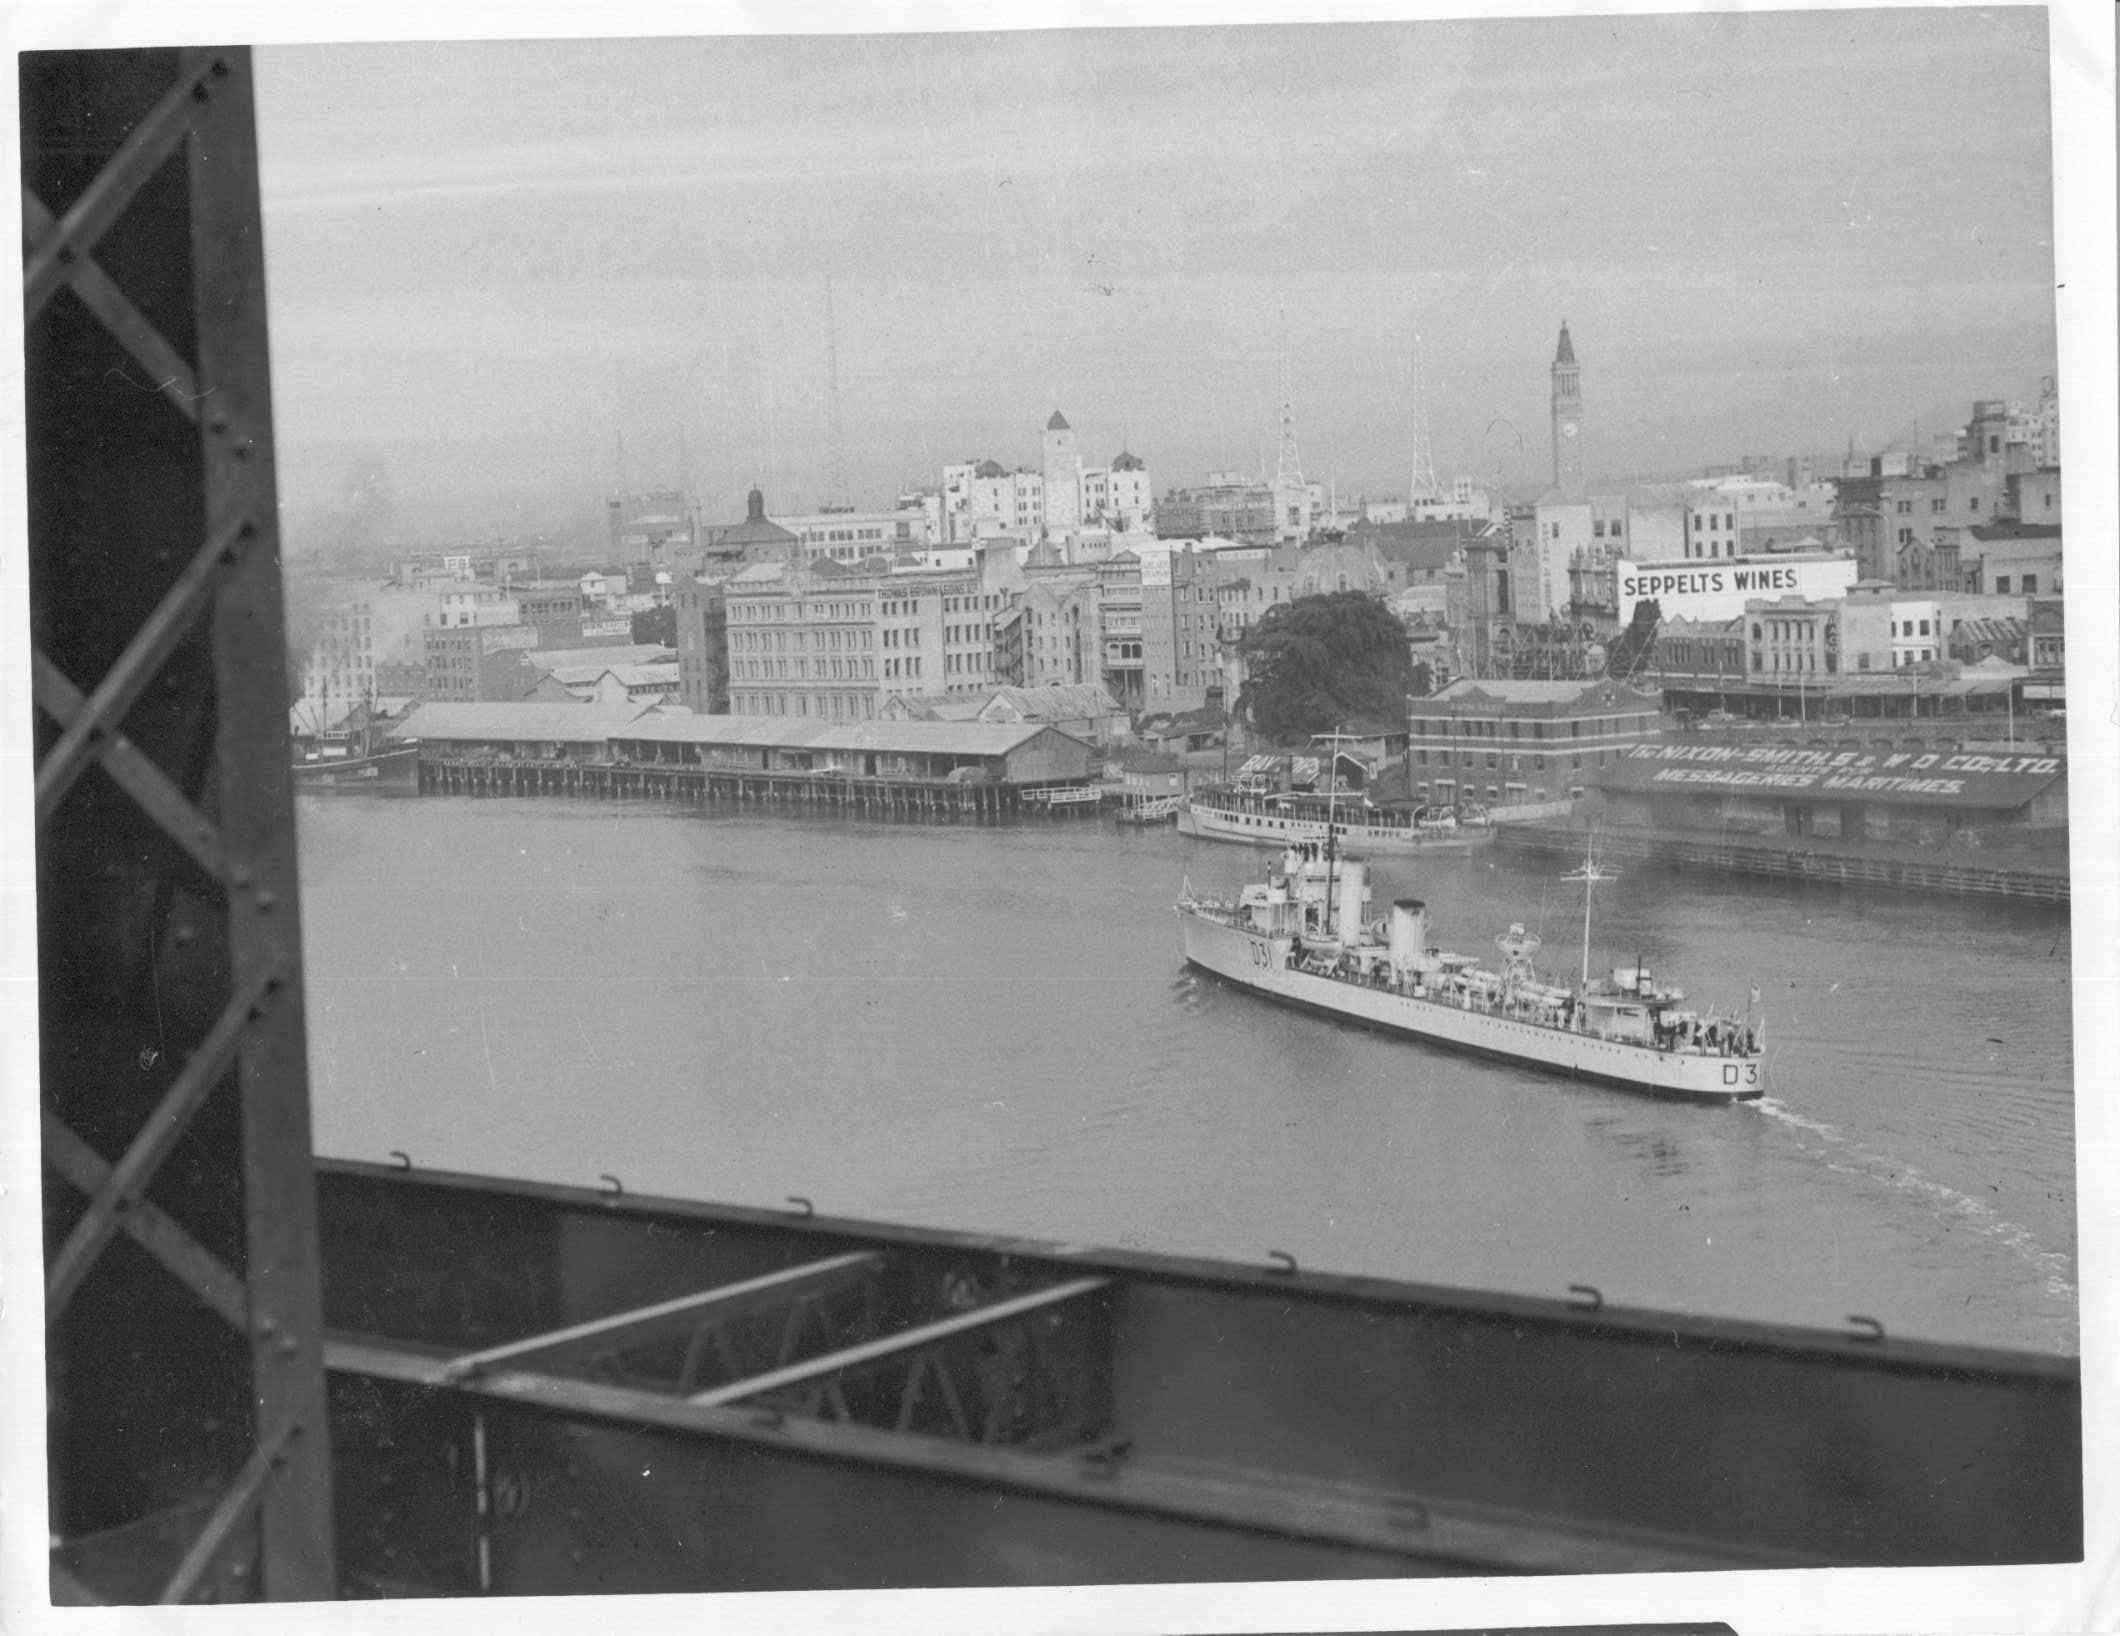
(1513, 743)
(831, 643)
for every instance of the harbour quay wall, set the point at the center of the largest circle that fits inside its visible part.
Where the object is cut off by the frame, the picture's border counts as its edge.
(1846, 864)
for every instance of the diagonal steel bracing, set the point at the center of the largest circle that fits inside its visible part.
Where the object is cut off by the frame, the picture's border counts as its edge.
(601, 1336)
(128, 1178)
(143, 657)
(165, 366)
(134, 772)
(53, 260)
(157, 1233)
(203, 121)
(918, 1339)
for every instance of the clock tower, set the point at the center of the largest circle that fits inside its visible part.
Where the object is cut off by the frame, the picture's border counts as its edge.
(1567, 417)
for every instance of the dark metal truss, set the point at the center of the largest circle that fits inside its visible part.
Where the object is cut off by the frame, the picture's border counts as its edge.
(228, 587)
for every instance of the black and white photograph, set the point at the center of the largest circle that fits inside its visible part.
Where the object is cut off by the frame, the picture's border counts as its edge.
(1253, 820)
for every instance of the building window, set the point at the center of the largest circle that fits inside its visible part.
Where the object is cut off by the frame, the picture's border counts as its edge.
(2002, 583)
(2030, 585)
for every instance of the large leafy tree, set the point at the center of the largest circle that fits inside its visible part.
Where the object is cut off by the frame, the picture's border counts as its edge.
(1321, 661)
(656, 625)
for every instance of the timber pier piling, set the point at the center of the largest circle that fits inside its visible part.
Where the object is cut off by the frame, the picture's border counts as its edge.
(904, 798)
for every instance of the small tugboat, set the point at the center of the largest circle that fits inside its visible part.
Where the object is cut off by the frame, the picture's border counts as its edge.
(353, 756)
(1302, 937)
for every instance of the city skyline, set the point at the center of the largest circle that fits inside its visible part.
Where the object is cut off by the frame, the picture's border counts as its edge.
(580, 246)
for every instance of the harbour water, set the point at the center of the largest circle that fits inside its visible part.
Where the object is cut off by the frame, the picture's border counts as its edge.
(990, 1028)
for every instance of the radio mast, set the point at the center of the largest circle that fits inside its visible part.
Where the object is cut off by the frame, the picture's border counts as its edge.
(831, 372)
(1421, 484)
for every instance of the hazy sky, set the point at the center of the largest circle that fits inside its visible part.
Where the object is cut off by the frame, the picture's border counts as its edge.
(490, 263)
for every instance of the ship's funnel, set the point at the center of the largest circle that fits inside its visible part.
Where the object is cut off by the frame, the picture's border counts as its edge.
(1409, 933)
(1354, 888)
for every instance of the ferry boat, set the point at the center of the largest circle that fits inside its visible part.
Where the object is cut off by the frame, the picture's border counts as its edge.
(393, 767)
(1257, 818)
(1303, 937)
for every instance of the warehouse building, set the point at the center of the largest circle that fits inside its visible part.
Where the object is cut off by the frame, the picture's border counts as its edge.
(1025, 754)
(1926, 790)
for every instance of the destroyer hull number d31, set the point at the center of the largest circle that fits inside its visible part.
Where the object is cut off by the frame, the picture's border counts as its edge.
(1301, 937)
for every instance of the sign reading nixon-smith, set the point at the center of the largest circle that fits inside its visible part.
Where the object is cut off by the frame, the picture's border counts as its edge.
(1720, 590)
(1925, 777)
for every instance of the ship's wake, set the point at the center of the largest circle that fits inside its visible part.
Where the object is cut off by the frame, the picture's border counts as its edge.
(1850, 1158)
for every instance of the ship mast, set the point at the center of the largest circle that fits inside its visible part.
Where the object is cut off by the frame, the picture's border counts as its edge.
(1332, 791)
(1589, 875)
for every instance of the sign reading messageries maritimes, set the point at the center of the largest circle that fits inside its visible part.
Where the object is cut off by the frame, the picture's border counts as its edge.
(1720, 590)
(1937, 777)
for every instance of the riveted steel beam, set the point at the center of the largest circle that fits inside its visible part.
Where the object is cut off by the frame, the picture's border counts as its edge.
(255, 800)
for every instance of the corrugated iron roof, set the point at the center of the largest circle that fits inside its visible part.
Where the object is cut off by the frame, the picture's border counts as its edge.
(969, 738)
(1058, 701)
(630, 653)
(534, 721)
(631, 675)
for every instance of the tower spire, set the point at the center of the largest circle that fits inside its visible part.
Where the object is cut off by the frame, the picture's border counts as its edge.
(1567, 417)
(1288, 470)
(1291, 494)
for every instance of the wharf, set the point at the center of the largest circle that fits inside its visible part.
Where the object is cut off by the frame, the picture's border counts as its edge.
(1807, 859)
(981, 802)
